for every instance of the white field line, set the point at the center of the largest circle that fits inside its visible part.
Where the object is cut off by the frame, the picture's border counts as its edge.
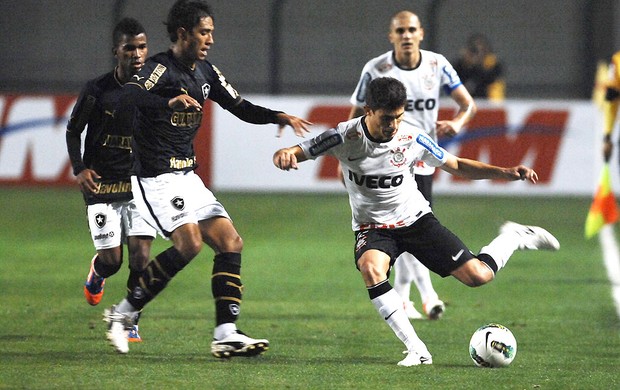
(611, 258)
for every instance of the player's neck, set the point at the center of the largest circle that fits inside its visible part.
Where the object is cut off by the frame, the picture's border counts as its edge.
(181, 56)
(121, 76)
(407, 60)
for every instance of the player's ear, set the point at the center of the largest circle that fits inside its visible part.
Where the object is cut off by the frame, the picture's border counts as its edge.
(182, 33)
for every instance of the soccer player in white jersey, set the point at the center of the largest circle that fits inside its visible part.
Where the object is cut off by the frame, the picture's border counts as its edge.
(390, 216)
(425, 75)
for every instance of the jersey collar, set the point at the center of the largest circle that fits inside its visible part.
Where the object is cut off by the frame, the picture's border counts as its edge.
(367, 133)
(402, 68)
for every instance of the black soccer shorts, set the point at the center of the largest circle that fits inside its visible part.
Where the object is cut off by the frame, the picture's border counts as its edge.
(440, 250)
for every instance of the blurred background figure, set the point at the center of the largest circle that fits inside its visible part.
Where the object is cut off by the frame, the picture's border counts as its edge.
(611, 102)
(480, 69)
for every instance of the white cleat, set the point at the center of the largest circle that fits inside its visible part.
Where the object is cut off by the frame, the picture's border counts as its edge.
(434, 309)
(411, 312)
(119, 326)
(415, 359)
(238, 344)
(531, 237)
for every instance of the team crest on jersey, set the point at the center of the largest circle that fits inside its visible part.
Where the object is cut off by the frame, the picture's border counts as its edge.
(178, 203)
(428, 81)
(100, 220)
(398, 158)
(206, 88)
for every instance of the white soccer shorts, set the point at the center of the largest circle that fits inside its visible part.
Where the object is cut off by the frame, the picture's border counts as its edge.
(174, 199)
(111, 223)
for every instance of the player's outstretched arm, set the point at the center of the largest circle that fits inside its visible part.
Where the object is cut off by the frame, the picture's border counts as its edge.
(477, 170)
(299, 125)
(467, 110)
(287, 158)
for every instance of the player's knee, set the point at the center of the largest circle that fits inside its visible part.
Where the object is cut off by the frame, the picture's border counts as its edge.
(110, 257)
(371, 272)
(233, 243)
(236, 244)
(189, 249)
(477, 280)
(473, 273)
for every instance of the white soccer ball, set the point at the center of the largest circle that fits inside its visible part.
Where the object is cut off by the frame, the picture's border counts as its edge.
(492, 345)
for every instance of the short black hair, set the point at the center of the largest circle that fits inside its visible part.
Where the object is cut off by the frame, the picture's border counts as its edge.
(126, 26)
(386, 93)
(186, 14)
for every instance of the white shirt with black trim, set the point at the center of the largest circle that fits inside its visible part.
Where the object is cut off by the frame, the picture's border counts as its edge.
(382, 191)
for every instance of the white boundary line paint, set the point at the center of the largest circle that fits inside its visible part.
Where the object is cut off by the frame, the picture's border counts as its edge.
(611, 258)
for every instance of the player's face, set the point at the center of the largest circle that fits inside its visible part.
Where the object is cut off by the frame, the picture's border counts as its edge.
(131, 53)
(383, 124)
(406, 33)
(199, 40)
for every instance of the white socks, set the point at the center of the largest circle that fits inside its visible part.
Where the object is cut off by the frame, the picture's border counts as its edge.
(409, 269)
(126, 308)
(501, 248)
(390, 307)
(223, 330)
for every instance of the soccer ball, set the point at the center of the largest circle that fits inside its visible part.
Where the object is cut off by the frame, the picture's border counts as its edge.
(492, 345)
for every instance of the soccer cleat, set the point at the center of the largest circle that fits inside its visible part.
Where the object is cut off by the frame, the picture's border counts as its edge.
(415, 359)
(133, 336)
(411, 312)
(119, 326)
(434, 309)
(93, 288)
(238, 344)
(531, 237)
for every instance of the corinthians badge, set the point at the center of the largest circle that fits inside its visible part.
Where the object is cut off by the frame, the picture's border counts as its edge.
(398, 158)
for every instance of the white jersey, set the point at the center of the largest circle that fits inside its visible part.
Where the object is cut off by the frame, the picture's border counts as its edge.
(382, 192)
(424, 85)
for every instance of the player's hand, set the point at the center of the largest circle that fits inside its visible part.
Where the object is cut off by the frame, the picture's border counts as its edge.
(299, 125)
(88, 181)
(183, 102)
(446, 128)
(285, 159)
(522, 172)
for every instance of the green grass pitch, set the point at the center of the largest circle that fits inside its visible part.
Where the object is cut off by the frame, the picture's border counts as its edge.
(303, 293)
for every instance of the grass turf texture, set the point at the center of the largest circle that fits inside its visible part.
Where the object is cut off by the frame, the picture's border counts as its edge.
(304, 294)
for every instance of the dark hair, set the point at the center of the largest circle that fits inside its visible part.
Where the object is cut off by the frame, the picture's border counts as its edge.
(386, 93)
(126, 26)
(186, 14)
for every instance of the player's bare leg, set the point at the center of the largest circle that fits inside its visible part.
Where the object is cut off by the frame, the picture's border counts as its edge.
(373, 266)
(104, 264)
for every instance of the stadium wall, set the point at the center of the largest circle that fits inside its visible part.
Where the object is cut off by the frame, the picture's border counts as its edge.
(559, 139)
(550, 48)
